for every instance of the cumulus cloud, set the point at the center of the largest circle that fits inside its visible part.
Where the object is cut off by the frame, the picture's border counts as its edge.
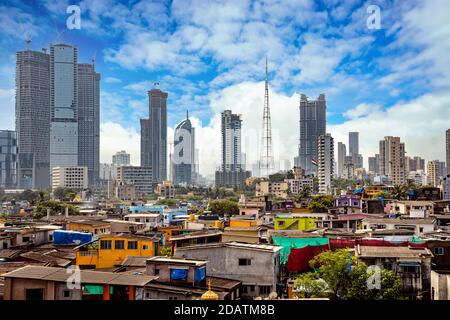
(421, 124)
(115, 137)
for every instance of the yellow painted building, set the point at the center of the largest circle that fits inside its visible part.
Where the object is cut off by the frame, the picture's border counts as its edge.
(291, 222)
(90, 226)
(109, 251)
(243, 223)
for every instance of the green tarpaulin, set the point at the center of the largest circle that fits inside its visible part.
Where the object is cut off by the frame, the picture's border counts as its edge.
(288, 243)
(95, 289)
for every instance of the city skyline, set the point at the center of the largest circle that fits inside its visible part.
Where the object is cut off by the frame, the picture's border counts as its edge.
(355, 103)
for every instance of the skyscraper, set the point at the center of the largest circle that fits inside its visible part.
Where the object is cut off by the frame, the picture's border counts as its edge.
(312, 125)
(183, 159)
(33, 119)
(447, 148)
(8, 159)
(435, 171)
(353, 143)
(89, 120)
(325, 163)
(342, 153)
(392, 159)
(374, 164)
(231, 173)
(121, 158)
(266, 161)
(63, 106)
(154, 135)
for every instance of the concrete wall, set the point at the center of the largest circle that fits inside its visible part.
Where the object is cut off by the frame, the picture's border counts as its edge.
(15, 289)
(440, 286)
(224, 262)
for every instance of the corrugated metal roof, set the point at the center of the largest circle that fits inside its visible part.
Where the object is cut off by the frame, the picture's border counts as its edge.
(87, 276)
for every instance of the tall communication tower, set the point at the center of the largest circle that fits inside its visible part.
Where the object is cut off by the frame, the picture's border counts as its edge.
(266, 163)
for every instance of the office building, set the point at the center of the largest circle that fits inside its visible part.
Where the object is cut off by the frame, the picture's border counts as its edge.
(75, 178)
(8, 159)
(63, 106)
(231, 172)
(435, 171)
(121, 158)
(154, 135)
(140, 177)
(341, 153)
(312, 125)
(353, 143)
(89, 120)
(183, 158)
(447, 148)
(33, 119)
(374, 165)
(414, 164)
(107, 171)
(325, 166)
(392, 160)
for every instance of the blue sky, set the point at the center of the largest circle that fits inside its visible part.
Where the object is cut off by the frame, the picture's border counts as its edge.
(209, 55)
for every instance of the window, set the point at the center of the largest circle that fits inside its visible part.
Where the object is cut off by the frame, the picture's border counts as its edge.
(144, 247)
(34, 294)
(409, 269)
(25, 239)
(421, 229)
(439, 251)
(132, 245)
(66, 294)
(244, 289)
(264, 289)
(173, 298)
(119, 244)
(245, 262)
(280, 223)
(156, 272)
(105, 244)
(252, 288)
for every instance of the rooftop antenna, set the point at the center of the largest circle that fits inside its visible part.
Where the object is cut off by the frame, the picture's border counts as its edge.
(28, 41)
(93, 58)
(187, 114)
(266, 163)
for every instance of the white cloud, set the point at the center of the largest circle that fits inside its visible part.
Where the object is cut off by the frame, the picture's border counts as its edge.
(420, 123)
(112, 80)
(114, 137)
(361, 110)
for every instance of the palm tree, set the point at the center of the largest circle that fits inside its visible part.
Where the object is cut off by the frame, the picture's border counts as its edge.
(399, 192)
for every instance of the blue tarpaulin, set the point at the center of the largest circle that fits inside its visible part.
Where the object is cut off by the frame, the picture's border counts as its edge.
(64, 237)
(200, 274)
(178, 274)
(360, 190)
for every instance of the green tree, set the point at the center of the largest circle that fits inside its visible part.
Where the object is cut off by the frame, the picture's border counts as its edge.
(335, 268)
(55, 207)
(59, 193)
(167, 202)
(321, 203)
(389, 285)
(399, 192)
(382, 194)
(347, 279)
(223, 207)
(309, 285)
